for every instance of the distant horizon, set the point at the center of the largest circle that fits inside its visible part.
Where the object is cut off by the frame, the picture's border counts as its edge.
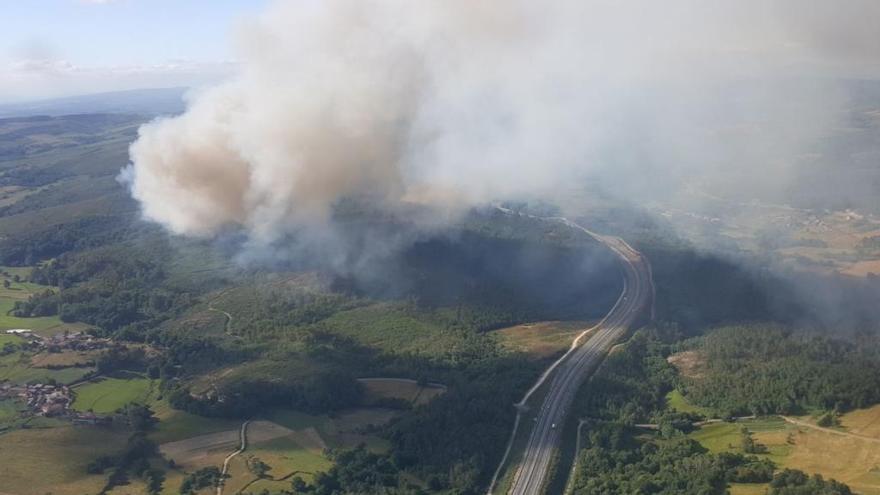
(61, 48)
(139, 101)
(183, 88)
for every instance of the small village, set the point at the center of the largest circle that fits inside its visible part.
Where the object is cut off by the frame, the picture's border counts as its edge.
(54, 400)
(72, 341)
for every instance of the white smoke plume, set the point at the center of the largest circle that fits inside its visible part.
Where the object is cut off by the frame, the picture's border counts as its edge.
(455, 102)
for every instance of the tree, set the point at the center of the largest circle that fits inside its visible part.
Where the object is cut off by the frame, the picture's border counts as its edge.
(139, 417)
(749, 445)
(299, 485)
(828, 419)
(259, 468)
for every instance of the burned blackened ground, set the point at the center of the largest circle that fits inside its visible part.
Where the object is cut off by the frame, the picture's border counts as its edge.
(518, 279)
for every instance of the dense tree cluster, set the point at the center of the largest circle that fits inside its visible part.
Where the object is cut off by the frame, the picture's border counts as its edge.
(616, 458)
(761, 369)
(357, 471)
(697, 289)
(46, 303)
(32, 246)
(133, 460)
(613, 461)
(121, 289)
(207, 477)
(793, 482)
(632, 385)
(320, 393)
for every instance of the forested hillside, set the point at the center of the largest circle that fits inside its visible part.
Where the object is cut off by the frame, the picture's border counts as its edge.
(766, 369)
(223, 339)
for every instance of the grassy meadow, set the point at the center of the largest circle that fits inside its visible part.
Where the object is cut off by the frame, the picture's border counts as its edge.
(541, 340)
(107, 394)
(38, 461)
(17, 368)
(854, 460)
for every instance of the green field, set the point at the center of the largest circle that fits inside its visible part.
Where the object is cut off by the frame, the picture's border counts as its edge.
(16, 368)
(8, 322)
(179, 425)
(9, 411)
(725, 437)
(106, 395)
(6, 338)
(542, 339)
(287, 457)
(675, 400)
(53, 460)
(296, 420)
(20, 291)
(339, 431)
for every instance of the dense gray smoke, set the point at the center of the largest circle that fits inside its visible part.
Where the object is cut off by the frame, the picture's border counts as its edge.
(451, 103)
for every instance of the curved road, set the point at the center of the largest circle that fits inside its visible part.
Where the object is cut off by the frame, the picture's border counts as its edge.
(243, 438)
(574, 368)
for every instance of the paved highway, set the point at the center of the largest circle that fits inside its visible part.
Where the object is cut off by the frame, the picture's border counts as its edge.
(574, 368)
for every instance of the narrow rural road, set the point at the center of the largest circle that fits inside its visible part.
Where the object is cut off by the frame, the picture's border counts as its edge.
(227, 326)
(574, 367)
(243, 438)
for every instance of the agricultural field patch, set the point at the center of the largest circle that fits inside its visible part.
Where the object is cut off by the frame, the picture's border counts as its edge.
(6, 338)
(18, 369)
(400, 388)
(675, 400)
(20, 291)
(772, 432)
(9, 411)
(850, 459)
(344, 430)
(179, 425)
(748, 488)
(863, 421)
(38, 461)
(289, 456)
(65, 359)
(290, 442)
(542, 339)
(184, 452)
(106, 395)
(38, 324)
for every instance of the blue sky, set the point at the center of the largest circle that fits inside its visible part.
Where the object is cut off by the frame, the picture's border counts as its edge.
(57, 47)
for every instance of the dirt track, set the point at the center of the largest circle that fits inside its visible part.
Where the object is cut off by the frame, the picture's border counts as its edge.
(224, 441)
(829, 430)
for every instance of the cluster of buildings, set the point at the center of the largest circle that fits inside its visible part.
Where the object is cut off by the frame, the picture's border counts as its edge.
(73, 341)
(43, 399)
(51, 401)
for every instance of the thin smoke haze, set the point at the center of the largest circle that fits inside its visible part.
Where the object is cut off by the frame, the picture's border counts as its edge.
(452, 103)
